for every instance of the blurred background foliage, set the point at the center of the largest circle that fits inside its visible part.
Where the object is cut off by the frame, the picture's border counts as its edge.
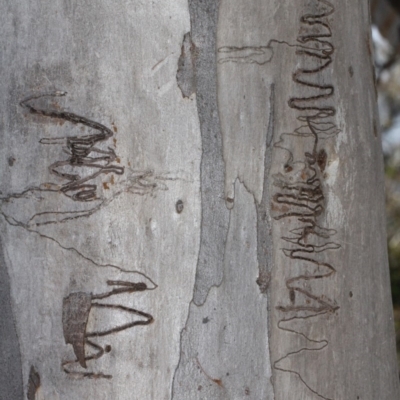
(385, 15)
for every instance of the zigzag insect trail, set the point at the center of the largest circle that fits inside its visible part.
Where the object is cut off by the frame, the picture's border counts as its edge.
(304, 198)
(80, 149)
(76, 310)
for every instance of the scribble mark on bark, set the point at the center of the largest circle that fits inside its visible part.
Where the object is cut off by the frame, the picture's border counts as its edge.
(299, 195)
(76, 309)
(82, 150)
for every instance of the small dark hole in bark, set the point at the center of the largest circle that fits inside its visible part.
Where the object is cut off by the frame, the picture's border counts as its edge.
(179, 206)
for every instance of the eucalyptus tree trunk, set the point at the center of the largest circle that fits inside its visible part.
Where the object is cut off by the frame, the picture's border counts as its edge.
(192, 202)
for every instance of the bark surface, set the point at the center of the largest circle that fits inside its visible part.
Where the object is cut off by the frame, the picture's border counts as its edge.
(192, 202)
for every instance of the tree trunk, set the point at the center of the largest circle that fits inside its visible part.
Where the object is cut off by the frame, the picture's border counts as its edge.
(192, 202)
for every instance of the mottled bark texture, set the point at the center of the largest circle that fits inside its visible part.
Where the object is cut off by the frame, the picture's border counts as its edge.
(192, 202)
(100, 199)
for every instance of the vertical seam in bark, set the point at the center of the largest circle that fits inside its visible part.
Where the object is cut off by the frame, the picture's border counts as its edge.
(264, 239)
(264, 234)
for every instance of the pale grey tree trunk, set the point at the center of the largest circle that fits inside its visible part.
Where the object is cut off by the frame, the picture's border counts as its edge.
(192, 202)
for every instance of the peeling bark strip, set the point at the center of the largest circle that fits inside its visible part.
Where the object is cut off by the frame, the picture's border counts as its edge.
(185, 75)
(299, 190)
(76, 308)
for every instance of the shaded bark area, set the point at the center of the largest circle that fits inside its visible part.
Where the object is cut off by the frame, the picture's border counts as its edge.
(10, 367)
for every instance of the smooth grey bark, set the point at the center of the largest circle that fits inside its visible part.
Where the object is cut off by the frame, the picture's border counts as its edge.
(298, 122)
(225, 236)
(90, 89)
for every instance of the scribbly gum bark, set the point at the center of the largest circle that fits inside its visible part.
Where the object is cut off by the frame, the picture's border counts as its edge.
(99, 207)
(191, 202)
(293, 99)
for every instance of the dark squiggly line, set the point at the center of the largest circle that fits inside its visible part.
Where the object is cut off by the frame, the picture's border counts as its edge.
(304, 198)
(13, 222)
(323, 343)
(75, 333)
(80, 149)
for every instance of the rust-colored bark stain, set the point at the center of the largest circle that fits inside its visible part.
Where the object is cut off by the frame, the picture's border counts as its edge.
(105, 185)
(215, 380)
(288, 168)
(282, 208)
(218, 382)
(33, 384)
(75, 314)
(55, 105)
